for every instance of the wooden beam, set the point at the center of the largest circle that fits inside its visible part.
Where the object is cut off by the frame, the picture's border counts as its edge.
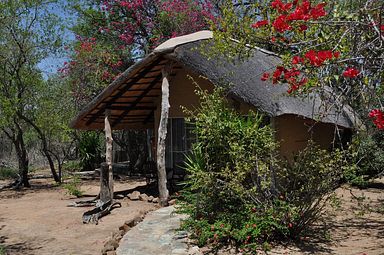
(139, 96)
(128, 85)
(129, 108)
(149, 117)
(137, 100)
(130, 102)
(162, 135)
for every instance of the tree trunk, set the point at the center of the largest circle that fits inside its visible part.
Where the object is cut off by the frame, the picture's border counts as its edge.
(105, 192)
(23, 160)
(44, 147)
(23, 163)
(106, 175)
(51, 163)
(162, 135)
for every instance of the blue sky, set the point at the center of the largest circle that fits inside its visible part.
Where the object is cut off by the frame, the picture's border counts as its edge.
(51, 64)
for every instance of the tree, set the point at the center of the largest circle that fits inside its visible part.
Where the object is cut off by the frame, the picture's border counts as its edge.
(332, 44)
(29, 33)
(49, 119)
(112, 35)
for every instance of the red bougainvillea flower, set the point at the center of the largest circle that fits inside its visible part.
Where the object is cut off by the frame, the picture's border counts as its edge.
(297, 60)
(280, 6)
(291, 73)
(260, 23)
(382, 28)
(317, 58)
(265, 76)
(378, 118)
(318, 11)
(294, 85)
(303, 27)
(351, 72)
(277, 74)
(336, 54)
(281, 24)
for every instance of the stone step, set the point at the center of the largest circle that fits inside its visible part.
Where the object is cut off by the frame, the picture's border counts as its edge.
(157, 234)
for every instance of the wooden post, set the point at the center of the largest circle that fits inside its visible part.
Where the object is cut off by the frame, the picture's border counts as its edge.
(162, 135)
(106, 175)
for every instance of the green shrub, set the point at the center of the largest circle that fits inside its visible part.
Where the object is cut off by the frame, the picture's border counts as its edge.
(8, 173)
(367, 154)
(90, 149)
(238, 189)
(72, 166)
(2, 250)
(73, 187)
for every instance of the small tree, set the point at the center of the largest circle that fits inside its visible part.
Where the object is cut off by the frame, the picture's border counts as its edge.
(331, 47)
(239, 190)
(29, 33)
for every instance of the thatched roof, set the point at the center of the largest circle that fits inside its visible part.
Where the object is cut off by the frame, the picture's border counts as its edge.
(132, 96)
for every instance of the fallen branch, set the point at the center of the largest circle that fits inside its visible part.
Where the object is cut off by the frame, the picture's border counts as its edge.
(94, 215)
(87, 203)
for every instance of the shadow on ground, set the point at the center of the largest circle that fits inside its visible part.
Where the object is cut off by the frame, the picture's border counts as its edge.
(24, 248)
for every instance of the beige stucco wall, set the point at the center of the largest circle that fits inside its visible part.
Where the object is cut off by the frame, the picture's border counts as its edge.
(293, 132)
(182, 93)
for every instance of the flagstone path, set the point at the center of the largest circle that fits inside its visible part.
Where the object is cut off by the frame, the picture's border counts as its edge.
(157, 234)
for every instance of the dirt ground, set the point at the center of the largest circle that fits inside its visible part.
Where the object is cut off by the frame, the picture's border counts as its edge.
(354, 225)
(38, 220)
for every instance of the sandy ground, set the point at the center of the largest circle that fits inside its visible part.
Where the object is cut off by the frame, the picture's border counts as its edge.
(353, 225)
(38, 221)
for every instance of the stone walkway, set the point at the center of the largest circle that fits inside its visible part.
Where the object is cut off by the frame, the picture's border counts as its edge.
(157, 234)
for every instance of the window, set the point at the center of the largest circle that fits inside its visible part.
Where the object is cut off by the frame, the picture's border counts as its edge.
(180, 137)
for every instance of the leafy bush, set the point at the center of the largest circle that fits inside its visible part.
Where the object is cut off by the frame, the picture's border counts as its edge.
(90, 148)
(73, 187)
(238, 189)
(72, 166)
(8, 173)
(2, 250)
(368, 157)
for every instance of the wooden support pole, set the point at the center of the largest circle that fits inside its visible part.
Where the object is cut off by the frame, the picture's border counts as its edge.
(106, 176)
(162, 135)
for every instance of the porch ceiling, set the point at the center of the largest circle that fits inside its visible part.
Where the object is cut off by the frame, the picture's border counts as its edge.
(131, 98)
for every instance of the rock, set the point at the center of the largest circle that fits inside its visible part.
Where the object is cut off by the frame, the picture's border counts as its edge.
(143, 197)
(133, 222)
(155, 200)
(194, 250)
(111, 253)
(134, 195)
(205, 250)
(172, 202)
(107, 248)
(112, 243)
(125, 228)
(117, 233)
(150, 198)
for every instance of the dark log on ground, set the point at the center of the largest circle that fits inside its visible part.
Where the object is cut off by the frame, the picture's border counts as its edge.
(97, 213)
(86, 203)
(87, 175)
(40, 176)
